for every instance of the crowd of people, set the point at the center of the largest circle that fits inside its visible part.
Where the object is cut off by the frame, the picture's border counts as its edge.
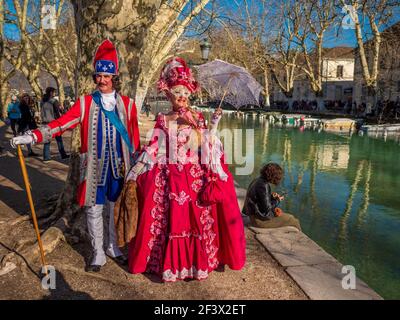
(25, 113)
(383, 109)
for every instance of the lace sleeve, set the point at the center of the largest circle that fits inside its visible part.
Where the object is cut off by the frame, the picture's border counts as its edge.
(214, 123)
(150, 152)
(214, 150)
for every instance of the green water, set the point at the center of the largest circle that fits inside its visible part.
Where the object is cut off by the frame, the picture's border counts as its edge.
(343, 189)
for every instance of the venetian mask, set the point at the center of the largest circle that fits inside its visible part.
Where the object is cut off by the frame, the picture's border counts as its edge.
(180, 91)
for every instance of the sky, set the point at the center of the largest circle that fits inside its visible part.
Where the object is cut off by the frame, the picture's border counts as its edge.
(10, 30)
(338, 36)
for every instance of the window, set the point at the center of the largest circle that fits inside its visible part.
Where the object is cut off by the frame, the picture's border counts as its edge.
(339, 72)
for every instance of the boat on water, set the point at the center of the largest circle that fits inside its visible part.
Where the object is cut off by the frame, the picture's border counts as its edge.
(381, 128)
(339, 124)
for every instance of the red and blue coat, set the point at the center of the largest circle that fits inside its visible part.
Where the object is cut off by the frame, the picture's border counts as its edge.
(86, 113)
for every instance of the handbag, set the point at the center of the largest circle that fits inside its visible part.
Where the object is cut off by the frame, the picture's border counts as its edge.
(213, 191)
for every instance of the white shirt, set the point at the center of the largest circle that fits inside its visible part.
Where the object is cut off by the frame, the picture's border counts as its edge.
(108, 100)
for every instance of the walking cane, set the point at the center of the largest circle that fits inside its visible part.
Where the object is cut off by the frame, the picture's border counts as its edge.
(28, 191)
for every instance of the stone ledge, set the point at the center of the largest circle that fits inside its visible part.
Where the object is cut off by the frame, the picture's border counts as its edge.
(293, 248)
(272, 230)
(315, 271)
(324, 282)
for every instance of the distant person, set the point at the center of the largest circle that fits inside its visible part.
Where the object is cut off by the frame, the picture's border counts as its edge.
(362, 108)
(368, 109)
(14, 113)
(397, 107)
(67, 104)
(348, 107)
(50, 110)
(147, 108)
(27, 121)
(354, 108)
(262, 205)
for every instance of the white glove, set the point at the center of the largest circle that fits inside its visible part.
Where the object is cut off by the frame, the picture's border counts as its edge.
(24, 139)
(216, 116)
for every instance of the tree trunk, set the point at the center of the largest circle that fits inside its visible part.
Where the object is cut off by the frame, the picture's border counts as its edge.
(3, 99)
(289, 96)
(61, 92)
(372, 98)
(139, 97)
(4, 76)
(266, 90)
(320, 100)
(34, 83)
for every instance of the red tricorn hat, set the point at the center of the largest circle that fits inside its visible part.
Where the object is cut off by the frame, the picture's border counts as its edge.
(106, 59)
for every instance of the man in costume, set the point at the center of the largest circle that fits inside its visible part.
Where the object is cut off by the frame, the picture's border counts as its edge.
(109, 139)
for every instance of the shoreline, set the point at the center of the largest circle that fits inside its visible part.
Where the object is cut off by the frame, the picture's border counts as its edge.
(321, 115)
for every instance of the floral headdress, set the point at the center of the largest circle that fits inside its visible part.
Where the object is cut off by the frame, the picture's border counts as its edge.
(176, 72)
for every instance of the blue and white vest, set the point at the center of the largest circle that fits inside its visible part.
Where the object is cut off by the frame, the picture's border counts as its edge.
(109, 150)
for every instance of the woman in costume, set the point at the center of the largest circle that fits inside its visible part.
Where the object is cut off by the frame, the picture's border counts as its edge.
(189, 219)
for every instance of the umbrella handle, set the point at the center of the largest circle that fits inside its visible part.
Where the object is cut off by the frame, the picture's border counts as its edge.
(225, 91)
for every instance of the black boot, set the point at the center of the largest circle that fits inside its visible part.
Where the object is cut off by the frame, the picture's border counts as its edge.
(65, 156)
(93, 268)
(32, 154)
(121, 260)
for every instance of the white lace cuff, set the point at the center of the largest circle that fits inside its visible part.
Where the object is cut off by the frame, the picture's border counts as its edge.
(143, 163)
(46, 134)
(34, 137)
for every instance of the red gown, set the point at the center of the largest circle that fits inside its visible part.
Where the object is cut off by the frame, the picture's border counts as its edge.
(178, 237)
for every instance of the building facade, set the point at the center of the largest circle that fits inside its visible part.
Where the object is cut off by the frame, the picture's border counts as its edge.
(337, 78)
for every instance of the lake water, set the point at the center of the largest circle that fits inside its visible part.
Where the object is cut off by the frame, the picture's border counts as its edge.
(343, 189)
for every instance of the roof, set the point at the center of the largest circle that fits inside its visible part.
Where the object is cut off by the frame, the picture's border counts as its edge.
(338, 52)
